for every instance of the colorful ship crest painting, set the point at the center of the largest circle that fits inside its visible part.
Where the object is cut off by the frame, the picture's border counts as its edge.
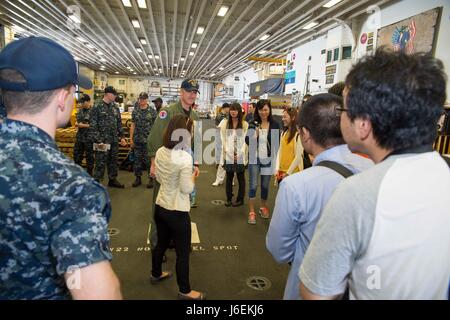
(403, 38)
(415, 34)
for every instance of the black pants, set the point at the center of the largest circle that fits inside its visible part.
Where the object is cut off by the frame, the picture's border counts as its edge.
(81, 147)
(229, 185)
(174, 225)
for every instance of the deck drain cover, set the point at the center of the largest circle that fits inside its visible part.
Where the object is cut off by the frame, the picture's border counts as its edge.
(218, 202)
(113, 231)
(259, 283)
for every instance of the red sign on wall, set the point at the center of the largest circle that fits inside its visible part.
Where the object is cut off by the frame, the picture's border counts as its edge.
(364, 38)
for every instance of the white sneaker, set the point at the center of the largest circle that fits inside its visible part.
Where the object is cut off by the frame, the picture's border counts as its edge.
(216, 184)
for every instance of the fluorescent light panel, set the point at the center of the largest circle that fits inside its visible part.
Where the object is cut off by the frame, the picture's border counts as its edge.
(143, 41)
(191, 53)
(18, 29)
(156, 56)
(310, 25)
(126, 3)
(223, 11)
(200, 30)
(182, 59)
(332, 3)
(142, 4)
(264, 37)
(74, 18)
(139, 50)
(194, 45)
(135, 23)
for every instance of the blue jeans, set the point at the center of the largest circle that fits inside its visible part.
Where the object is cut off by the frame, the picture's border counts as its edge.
(260, 169)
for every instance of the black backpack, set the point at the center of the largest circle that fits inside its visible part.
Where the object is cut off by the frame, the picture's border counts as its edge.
(339, 168)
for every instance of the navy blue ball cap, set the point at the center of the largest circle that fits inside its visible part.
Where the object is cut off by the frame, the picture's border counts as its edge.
(110, 89)
(190, 85)
(43, 63)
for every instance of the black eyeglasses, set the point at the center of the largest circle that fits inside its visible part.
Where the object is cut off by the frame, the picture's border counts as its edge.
(339, 110)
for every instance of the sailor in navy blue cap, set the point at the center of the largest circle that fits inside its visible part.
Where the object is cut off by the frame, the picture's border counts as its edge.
(53, 216)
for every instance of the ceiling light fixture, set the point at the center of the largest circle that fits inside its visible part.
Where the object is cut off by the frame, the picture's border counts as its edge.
(74, 18)
(100, 53)
(135, 23)
(80, 39)
(142, 4)
(221, 68)
(213, 74)
(175, 65)
(117, 72)
(264, 37)
(191, 53)
(223, 11)
(18, 29)
(146, 62)
(182, 59)
(143, 41)
(263, 51)
(194, 45)
(331, 3)
(200, 30)
(90, 46)
(150, 56)
(126, 3)
(156, 56)
(139, 50)
(310, 25)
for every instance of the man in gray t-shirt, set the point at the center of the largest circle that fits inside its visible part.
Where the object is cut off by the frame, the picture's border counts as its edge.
(384, 232)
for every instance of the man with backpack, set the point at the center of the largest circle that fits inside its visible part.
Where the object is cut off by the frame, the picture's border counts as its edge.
(302, 196)
(384, 233)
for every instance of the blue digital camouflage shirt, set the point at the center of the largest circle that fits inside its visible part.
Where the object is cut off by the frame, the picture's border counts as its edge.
(2, 109)
(53, 215)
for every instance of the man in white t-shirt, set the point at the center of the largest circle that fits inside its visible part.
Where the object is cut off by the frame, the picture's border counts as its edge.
(384, 233)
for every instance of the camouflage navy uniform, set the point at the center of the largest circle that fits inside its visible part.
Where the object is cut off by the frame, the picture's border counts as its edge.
(143, 120)
(106, 125)
(53, 215)
(84, 141)
(2, 109)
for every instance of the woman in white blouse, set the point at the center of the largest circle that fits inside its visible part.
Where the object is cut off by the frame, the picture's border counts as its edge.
(234, 157)
(173, 163)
